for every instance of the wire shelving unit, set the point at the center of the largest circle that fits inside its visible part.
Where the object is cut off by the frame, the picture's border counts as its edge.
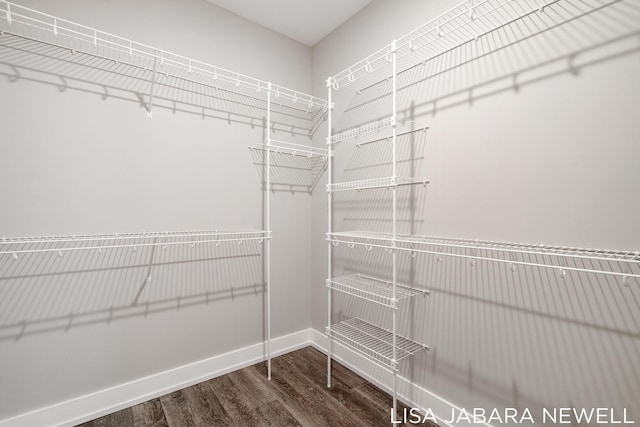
(158, 71)
(383, 347)
(462, 29)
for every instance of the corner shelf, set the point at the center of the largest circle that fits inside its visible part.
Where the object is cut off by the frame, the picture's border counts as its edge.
(373, 342)
(296, 167)
(373, 289)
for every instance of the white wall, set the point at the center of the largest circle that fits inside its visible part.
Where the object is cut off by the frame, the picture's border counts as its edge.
(73, 161)
(551, 160)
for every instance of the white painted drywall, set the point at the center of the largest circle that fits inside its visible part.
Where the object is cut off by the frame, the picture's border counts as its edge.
(550, 161)
(75, 162)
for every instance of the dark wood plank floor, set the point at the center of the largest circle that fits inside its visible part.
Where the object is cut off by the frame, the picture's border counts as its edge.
(296, 396)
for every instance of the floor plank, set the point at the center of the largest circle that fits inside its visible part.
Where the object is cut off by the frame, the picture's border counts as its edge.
(205, 406)
(276, 414)
(176, 409)
(149, 414)
(120, 418)
(296, 396)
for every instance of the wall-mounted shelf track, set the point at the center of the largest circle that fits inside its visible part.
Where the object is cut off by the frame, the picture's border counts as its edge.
(374, 342)
(374, 289)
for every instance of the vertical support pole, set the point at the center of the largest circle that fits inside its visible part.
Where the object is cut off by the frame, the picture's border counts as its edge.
(329, 228)
(9, 18)
(395, 232)
(268, 190)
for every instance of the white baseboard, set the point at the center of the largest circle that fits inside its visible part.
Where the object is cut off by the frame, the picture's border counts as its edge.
(103, 402)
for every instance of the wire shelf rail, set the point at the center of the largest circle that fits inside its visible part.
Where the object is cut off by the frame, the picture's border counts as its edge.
(365, 129)
(14, 246)
(374, 289)
(465, 23)
(373, 342)
(378, 131)
(283, 147)
(373, 183)
(624, 264)
(37, 26)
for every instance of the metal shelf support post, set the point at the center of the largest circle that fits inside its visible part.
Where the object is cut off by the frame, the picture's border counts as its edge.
(329, 269)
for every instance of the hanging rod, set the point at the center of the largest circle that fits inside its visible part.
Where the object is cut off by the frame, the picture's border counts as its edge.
(115, 48)
(68, 243)
(625, 260)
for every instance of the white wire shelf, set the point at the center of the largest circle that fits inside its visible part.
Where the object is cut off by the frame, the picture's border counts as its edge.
(368, 128)
(466, 23)
(374, 289)
(377, 131)
(14, 246)
(373, 183)
(52, 30)
(373, 342)
(623, 264)
(284, 147)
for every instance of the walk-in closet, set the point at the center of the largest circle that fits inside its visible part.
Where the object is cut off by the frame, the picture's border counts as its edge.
(339, 213)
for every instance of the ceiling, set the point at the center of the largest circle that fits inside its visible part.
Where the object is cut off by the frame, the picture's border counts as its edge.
(307, 21)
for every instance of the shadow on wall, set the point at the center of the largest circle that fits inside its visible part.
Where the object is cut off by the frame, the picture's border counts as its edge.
(22, 59)
(561, 40)
(51, 291)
